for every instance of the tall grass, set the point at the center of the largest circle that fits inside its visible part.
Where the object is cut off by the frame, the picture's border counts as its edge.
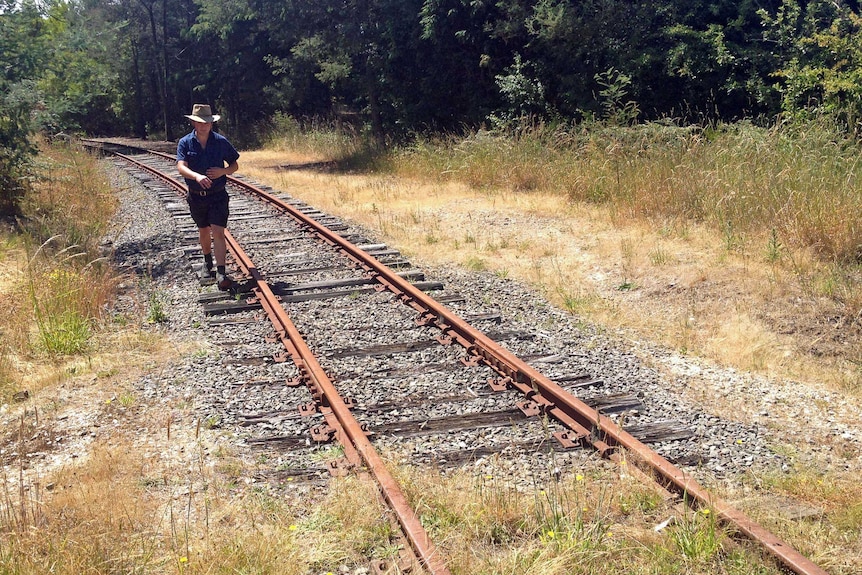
(68, 296)
(802, 182)
(70, 199)
(340, 142)
(68, 282)
(56, 293)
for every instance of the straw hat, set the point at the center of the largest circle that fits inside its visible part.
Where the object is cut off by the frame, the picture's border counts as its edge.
(203, 113)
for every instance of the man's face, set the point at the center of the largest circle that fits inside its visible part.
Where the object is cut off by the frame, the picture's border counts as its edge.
(202, 127)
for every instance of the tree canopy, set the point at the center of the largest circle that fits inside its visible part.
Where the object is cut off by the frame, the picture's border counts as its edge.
(395, 67)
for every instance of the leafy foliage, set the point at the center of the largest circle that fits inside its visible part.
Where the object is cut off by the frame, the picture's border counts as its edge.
(21, 55)
(820, 60)
(394, 67)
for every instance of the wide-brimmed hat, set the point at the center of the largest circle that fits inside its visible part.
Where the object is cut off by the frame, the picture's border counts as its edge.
(203, 113)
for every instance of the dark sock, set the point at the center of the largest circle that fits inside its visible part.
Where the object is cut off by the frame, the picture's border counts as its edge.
(208, 261)
(220, 269)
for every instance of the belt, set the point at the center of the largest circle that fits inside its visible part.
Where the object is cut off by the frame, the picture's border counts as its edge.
(205, 193)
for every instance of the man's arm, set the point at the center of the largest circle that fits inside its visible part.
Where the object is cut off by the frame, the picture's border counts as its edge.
(214, 173)
(202, 179)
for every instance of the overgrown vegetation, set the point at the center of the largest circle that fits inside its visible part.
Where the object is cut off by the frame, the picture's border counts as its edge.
(194, 519)
(61, 285)
(799, 182)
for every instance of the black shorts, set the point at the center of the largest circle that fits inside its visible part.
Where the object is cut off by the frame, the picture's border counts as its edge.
(209, 210)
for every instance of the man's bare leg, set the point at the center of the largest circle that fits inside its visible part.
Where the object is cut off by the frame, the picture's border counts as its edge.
(205, 236)
(219, 245)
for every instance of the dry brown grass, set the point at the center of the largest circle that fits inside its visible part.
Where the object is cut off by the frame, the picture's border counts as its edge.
(597, 521)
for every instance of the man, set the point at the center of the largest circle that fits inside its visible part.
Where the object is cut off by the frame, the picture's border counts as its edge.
(201, 159)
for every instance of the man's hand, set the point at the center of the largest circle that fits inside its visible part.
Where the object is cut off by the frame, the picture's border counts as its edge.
(205, 181)
(215, 173)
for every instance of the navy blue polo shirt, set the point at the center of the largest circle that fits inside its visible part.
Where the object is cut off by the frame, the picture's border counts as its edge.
(218, 154)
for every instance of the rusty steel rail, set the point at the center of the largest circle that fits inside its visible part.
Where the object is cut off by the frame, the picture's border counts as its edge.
(319, 382)
(588, 425)
(344, 425)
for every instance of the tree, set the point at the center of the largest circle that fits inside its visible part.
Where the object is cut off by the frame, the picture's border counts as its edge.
(23, 50)
(819, 52)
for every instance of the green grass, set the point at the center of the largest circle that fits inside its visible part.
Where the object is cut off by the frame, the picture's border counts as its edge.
(156, 311)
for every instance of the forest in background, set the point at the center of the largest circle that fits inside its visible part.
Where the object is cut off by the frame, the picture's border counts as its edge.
(396, 68)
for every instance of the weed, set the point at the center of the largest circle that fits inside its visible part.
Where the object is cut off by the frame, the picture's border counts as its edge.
(732, 240)
(568, 519)
(697, 536)
(7, 373)
(476, 263)
(774, 248)
(329, 452)
(573, 303)
(642, 500)
(659, 256)
(66, 333)
(156, 309)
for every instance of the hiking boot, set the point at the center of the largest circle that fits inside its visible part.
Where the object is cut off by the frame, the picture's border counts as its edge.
(224, 281)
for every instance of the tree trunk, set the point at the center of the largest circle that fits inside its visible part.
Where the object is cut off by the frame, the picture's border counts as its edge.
(140, 123)
(158, 73)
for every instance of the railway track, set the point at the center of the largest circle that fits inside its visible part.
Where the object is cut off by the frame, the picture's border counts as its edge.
(333, 338)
